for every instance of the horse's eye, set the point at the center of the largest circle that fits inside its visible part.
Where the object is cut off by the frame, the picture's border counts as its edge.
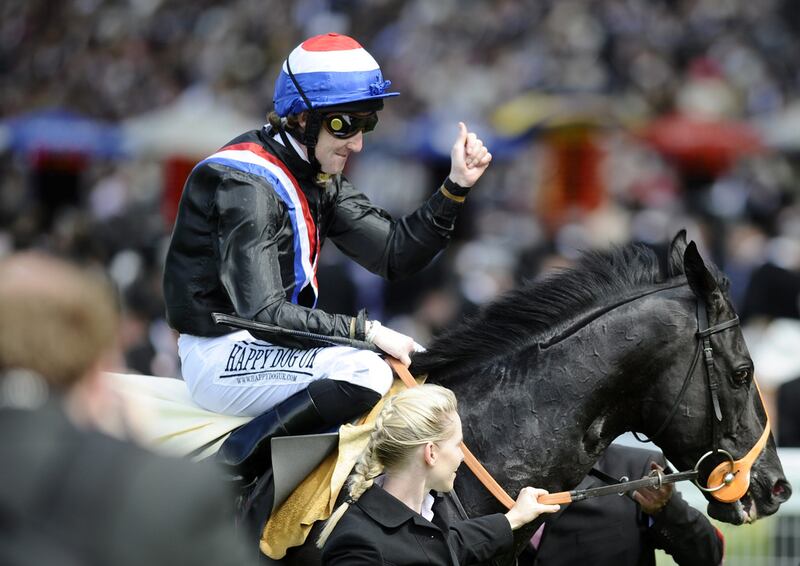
(742, 375)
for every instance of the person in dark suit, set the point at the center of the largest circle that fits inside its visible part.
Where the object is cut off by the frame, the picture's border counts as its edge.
(621, 531)
(416, 445)
(70, 494)
(788, 417)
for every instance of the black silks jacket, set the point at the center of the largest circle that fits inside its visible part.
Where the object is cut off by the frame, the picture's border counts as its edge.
(232, 248)
(380, 529)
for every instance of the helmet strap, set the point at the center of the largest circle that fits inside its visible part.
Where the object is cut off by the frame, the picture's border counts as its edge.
(310, 135)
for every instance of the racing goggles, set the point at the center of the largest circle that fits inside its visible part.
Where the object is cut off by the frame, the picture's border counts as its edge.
(343, 125)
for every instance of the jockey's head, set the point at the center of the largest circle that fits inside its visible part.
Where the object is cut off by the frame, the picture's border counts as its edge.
(331, 82)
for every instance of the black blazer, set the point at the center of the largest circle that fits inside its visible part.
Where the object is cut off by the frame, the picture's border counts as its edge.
(788, 416)
(379, 529)
(79, 498)
(613, 531)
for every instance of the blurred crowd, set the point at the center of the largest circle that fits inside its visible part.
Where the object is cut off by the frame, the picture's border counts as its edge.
(611, 121)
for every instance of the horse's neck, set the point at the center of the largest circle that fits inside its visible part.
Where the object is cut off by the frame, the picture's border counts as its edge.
(528, 419)
(544, 416)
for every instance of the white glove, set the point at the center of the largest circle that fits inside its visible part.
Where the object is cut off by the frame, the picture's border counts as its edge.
(393, 343)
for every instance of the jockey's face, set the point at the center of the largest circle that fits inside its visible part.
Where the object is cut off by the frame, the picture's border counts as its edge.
(332, 153)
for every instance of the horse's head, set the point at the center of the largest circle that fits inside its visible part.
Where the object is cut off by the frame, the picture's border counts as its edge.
(721, 410)
(540, 374)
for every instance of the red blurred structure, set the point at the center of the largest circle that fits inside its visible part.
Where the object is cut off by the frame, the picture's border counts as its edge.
(699, 145)
(573, 181)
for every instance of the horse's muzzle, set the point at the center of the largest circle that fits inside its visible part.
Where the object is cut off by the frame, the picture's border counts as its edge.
(781, 492)
(764, 498)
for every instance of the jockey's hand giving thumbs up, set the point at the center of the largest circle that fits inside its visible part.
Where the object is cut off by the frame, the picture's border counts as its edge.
(469, 158)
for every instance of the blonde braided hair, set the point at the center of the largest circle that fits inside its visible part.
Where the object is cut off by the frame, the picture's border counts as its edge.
(407, 420)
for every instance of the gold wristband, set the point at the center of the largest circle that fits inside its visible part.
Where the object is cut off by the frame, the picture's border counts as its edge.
(450, 195)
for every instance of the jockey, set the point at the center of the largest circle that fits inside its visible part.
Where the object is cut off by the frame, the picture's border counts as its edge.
(251, 222)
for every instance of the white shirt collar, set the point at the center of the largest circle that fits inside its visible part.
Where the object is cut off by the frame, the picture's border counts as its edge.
(427, 503)
(298, 147)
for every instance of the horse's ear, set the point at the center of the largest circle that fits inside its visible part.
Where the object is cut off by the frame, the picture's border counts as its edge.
(676, 251)
(700, 279)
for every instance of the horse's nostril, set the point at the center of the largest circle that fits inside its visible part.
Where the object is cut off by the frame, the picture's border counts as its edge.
(781, 490)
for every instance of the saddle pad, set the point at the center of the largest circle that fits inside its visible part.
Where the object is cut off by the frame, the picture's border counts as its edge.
(315, 496)
(160, 414)
(294, 457)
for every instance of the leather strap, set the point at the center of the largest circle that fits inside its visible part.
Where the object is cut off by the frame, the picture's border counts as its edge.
(736, 479)
(558, 498)
(469, 458)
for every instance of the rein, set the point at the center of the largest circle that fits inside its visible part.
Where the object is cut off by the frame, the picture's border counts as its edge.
(469, 458)
(731, 477)
(655, 479)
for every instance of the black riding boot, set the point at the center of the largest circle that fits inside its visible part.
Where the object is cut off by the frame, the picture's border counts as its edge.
(324, 404)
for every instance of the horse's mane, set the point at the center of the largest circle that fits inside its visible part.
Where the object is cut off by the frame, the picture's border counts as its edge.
(521, 316)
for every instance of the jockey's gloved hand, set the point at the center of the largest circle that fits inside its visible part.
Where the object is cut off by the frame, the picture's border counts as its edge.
(393, 343)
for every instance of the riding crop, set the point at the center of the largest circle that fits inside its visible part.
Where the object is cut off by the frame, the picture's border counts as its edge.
(247, 324)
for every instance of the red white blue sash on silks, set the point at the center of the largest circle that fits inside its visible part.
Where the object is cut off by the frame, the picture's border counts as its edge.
(254, 159)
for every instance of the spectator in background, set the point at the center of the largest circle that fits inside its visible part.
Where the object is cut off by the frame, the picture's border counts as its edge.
(773, 292)
(70, 494)
(625, 531)
(788, 435)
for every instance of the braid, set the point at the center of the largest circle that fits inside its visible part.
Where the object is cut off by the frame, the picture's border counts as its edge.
(367, 468)
(407, 420)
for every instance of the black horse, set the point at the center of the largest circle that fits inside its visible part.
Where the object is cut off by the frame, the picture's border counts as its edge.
(547, 376)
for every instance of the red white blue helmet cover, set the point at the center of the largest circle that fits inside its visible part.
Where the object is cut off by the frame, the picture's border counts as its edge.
(331, 70)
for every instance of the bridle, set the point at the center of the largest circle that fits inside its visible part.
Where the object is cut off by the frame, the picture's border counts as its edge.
(731, 478)
(703, 346)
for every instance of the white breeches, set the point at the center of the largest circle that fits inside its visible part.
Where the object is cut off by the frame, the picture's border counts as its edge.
(237, 374)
